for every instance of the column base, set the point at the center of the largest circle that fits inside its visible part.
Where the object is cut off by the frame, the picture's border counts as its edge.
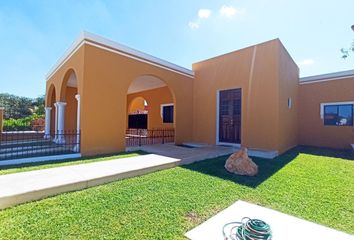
(47, 136)
(60, 140)
(76, 148)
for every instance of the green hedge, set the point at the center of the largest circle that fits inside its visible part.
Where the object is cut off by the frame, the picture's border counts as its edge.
(21, 124)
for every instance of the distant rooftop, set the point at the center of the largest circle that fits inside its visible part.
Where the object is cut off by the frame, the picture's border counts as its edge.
(328, 76)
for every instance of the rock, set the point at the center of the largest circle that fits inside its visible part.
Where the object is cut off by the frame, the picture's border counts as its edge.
(239, 163)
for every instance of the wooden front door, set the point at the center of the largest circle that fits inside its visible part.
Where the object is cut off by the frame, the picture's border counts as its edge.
(230, 116)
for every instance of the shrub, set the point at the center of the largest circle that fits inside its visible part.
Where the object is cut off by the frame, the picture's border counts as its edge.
(33, 122)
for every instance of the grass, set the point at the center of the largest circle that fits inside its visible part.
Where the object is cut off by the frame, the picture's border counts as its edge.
(66, 162)
(166, 204)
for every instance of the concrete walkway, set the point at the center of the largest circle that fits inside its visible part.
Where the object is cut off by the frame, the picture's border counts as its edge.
(33, 185)
(187, 155)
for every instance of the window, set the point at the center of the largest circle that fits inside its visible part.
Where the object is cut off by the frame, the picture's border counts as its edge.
(338, 114)
(167, 113)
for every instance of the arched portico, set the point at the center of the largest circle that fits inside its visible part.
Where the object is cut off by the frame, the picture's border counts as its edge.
(105, 74)
(63, 110)
(154, 120)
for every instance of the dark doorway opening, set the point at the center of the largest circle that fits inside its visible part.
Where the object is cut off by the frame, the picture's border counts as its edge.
(138, 121)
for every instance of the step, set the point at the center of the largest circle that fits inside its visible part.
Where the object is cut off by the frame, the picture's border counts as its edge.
(23, 187)
(34, 152)
(9, 144)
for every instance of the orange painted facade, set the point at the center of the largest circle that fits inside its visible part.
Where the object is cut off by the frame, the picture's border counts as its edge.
(312, 131)
(268, 77)
(101, 73)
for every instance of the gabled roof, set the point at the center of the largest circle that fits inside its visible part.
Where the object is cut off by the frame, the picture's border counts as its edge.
(109, 45)
(327, 77)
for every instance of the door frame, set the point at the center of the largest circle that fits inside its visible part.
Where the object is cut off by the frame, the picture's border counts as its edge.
(217, 140)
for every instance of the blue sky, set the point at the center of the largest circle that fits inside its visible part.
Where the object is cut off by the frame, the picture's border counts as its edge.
(34, 34)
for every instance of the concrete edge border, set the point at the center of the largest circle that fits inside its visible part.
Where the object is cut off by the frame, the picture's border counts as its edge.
(39, 159)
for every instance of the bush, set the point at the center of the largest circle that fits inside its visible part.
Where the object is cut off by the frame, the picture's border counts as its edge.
(29, 123)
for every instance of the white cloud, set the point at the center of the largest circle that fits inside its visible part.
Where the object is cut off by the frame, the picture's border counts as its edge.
(306, 62)
(193, 25)
(204, 13)
(230, 11)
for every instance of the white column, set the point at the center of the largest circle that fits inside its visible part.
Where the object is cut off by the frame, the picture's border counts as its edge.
(77, 146)
(47, 122)
(56, 123)
(61, 117)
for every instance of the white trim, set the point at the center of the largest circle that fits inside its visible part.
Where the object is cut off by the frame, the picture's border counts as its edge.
(217, 140)
(322, 105)
(268, 154)
(290, 103)
(352, 146)
(47, 122)
(238, 145)
(106, 44)
(217, 116)
(327, 77)
(166, 105)
(39, 159)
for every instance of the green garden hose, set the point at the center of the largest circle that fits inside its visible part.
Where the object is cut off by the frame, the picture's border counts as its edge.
(248, 229)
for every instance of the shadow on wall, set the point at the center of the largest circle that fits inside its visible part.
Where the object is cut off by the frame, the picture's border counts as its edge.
(266, 167)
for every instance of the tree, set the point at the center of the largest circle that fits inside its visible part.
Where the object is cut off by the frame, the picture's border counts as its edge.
(15, 107)
(347, 51)
(38, 105)
(20, 107)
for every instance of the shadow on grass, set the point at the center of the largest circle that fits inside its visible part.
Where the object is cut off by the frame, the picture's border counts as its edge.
(73, 160)
(266, 167)
(327, 152)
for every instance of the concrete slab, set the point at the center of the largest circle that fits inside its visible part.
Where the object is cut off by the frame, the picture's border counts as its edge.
(186, 154)
(193, 152)
(33, 185)
(283, 226)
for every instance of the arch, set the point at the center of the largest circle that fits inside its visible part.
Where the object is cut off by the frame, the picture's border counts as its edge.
(51, 96)
(157, 94)
(68, 91)
(69, 80)
(140, 77)
(138, 105)
(49, 102)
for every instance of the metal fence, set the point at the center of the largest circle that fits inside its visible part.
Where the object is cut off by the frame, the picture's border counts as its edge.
(14, 145)
(140, 137)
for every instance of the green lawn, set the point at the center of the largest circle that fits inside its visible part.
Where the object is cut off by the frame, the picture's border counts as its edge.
(67, 162)
(166, 204)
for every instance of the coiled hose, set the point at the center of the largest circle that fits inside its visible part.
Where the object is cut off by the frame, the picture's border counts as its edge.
(248, 229)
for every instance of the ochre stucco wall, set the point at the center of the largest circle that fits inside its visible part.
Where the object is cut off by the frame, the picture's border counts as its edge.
(288, 88)
(154, 98)
(104, 102)
(256, 71)
(265, 72)
(312, 131)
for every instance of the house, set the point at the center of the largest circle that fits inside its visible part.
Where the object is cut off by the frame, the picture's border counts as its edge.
(251, 97)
